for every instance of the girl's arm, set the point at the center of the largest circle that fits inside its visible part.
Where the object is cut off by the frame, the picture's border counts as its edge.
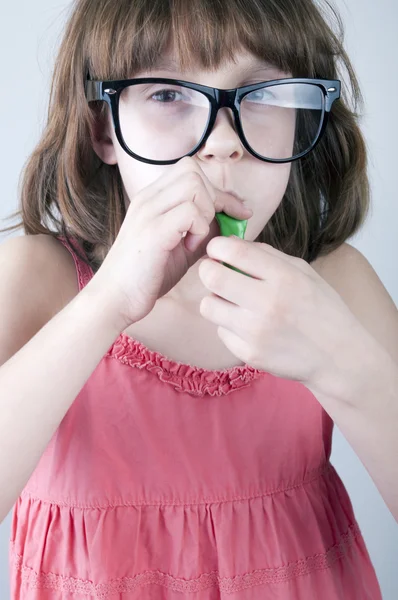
(40, 378)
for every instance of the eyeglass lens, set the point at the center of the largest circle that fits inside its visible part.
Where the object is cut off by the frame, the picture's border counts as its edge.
(166, 122)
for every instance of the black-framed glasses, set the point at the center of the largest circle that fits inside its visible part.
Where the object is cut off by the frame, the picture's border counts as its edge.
(159, 120)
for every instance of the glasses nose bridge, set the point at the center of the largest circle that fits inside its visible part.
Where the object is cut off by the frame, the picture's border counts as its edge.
(225, 99)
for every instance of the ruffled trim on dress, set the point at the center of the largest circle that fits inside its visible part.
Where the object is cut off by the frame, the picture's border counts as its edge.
(184, 378)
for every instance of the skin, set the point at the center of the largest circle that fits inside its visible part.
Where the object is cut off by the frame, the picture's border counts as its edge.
(223, 159)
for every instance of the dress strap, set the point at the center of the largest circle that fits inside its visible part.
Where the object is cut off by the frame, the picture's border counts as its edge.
(84, 271)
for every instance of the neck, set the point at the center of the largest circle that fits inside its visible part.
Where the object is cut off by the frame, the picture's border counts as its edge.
(189, 290)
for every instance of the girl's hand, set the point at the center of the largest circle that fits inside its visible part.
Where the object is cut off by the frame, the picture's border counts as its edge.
(284, 319)
(150, 254)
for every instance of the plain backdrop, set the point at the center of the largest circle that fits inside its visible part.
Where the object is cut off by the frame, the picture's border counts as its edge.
(30, 36)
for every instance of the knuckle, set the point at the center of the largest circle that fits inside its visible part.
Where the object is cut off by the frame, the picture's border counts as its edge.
(212, 194)
(239, 252)
(300, 262)
(252, 323)
(210, 307)
(209, 213)
(193, 179)
(287, 280)
(278, 308)
(195, 210)
(272, 316)
(185, 162)
(213, 279)
(259, 245)
(250, 355)
(212, 276)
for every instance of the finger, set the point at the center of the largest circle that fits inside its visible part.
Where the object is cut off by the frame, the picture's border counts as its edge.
(182, 218)
(223, 313)
(222, 201)
(257, 262)
(201, 242)
(193, 241)
(236, 345)
(186, 170)
(188, 164)
(231, 206)
(217, 200)
(188, 188)
(230, 285)
(295, 260)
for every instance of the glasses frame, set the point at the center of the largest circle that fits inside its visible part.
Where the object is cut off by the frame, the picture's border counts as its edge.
(110, 91)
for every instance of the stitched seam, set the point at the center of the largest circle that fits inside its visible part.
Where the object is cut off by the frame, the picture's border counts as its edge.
(320, 472)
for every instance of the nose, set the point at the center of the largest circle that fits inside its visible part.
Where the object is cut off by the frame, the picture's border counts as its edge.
(223, 143)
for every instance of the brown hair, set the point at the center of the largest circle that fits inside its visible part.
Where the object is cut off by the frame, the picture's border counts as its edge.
(66, 187)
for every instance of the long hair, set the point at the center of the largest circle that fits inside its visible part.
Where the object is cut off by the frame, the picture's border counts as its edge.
(65, 188)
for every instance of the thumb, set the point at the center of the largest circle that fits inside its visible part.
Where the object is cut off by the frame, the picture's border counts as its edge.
(231, 206)
(200, 250)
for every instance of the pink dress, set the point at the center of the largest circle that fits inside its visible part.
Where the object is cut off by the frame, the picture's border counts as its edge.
(167, 482)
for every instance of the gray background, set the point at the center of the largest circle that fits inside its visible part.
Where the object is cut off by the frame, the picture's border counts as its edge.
(30, 35)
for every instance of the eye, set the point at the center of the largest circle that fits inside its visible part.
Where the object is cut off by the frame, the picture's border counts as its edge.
(260, 96)
(167, 96)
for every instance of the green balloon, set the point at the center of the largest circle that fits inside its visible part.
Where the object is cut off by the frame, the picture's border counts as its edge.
(231, 226)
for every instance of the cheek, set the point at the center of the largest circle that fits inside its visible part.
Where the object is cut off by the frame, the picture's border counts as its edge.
(271, 186)
(135, 174)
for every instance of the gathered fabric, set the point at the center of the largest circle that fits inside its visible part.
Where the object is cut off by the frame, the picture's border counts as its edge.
(167, 481)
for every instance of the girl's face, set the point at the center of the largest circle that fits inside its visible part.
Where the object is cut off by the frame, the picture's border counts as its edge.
(223, 158)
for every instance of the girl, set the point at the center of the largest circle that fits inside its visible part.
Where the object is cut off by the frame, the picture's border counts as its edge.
(172, 432)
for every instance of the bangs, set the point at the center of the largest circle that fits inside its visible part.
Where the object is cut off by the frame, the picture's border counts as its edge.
(127, 37)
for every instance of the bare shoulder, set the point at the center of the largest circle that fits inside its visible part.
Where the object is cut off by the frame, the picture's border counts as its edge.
(349, 272)
(337, 266)
(37, 279)
(42, 262)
